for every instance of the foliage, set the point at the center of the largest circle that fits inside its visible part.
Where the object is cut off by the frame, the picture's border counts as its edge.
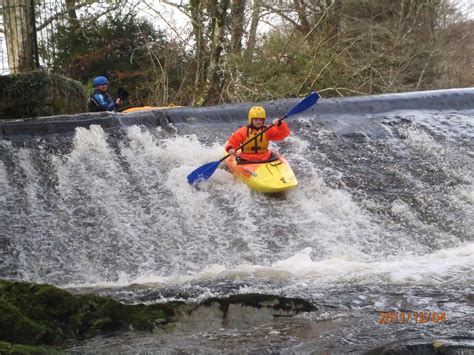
(338, 47)
(349, 47)
(395, 44)
(40, 94)
(286, 66)
(126, 49)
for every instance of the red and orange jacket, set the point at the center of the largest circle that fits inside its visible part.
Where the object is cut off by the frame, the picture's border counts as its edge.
(258, 148)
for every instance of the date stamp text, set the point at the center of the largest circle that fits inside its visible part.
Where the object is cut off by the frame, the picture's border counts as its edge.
(389, 317)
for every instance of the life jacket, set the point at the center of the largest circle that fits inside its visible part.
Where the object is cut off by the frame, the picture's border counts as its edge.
(100, 101)
(259, 145)
(92, 106)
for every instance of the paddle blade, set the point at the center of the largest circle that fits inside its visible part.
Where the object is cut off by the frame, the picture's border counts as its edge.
(203, 172)
(304, 104)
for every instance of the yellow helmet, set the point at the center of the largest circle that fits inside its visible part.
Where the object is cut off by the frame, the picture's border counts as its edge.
(256, 112)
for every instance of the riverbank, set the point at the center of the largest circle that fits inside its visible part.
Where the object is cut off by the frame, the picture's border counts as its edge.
(33, 316)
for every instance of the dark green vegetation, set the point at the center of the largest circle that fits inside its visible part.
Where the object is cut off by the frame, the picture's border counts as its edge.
(33, 314)
(39, 93)
(127, 49)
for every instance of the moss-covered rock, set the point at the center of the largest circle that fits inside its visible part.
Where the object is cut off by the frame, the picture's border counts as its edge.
(40, 94)
(45, 315)
(18, 349)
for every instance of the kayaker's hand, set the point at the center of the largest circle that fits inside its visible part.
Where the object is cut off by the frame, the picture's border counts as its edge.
(276, 122)
(231, 151)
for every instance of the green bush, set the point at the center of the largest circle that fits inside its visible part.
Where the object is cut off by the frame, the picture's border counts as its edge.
(40, 93)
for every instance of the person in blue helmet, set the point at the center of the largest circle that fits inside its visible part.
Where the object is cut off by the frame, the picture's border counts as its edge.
(100, 100)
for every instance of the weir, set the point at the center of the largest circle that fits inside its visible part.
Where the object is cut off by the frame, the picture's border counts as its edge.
(452, 99)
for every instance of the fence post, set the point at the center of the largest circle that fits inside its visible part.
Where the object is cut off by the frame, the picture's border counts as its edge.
(34, 41)
(18, 35)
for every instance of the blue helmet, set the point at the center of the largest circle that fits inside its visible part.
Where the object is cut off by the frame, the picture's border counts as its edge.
(100, 80)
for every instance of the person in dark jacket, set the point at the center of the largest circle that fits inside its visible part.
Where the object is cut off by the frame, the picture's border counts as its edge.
(100, 100)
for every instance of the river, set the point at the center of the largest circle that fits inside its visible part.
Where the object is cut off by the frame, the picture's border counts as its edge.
(380, 228)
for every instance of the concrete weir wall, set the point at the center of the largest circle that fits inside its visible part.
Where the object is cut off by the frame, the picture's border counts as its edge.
(452, 99)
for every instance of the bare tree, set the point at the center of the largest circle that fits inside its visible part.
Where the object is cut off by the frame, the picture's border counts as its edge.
(218, 28)
(238, 26)
(252, 37)
(197, 20)
(209, 20)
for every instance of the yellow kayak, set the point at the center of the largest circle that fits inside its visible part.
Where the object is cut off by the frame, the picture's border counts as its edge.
(273, 175)
(147, 108)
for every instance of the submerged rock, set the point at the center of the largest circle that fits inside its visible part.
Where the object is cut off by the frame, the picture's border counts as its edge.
(438, 347)
(239, 311)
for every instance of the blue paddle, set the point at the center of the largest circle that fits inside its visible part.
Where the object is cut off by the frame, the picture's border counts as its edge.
(204, 172)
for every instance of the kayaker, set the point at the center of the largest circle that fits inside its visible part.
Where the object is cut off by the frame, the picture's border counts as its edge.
(100, 100)
(258, 148)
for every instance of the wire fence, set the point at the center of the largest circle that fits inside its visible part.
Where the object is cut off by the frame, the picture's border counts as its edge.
(37, 22)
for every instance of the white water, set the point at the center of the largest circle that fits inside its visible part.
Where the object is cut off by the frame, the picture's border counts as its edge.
(131, 217)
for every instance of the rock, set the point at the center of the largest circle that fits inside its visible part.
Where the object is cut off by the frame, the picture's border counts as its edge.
(46, 315)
